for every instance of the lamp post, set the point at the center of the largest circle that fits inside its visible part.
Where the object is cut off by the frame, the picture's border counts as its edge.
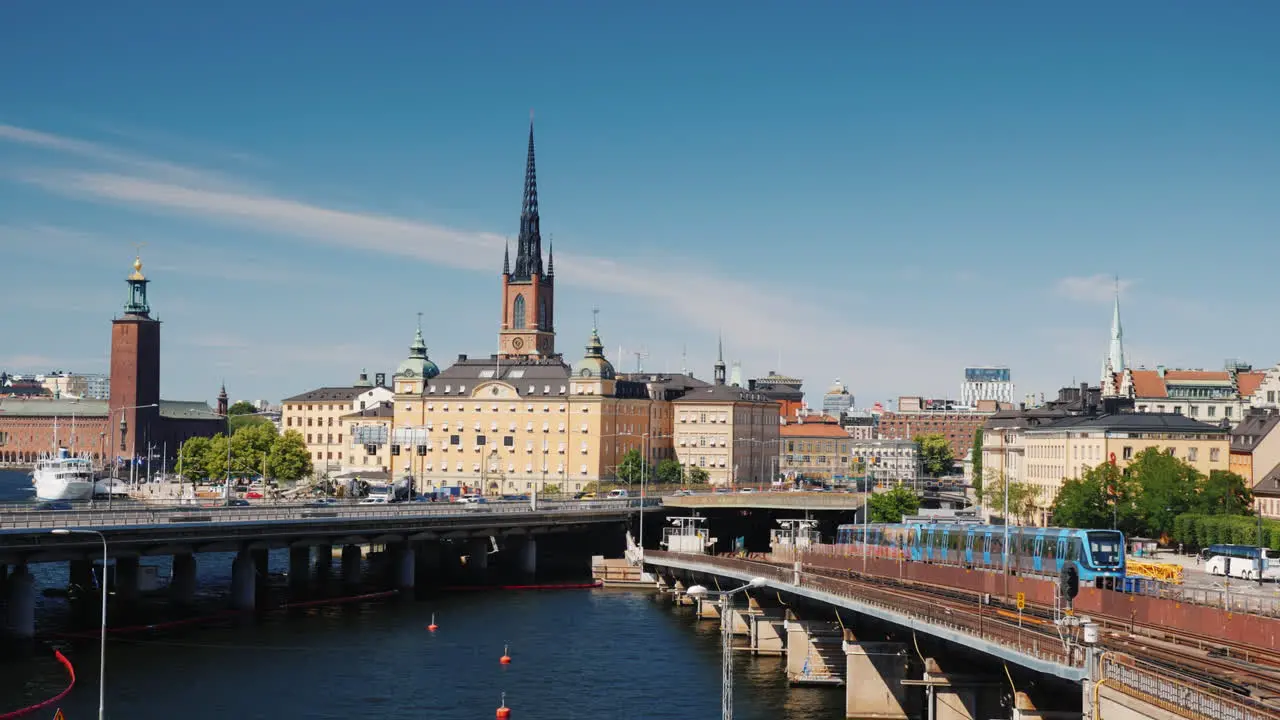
(726, 640)
(102, 643)
(124, 429)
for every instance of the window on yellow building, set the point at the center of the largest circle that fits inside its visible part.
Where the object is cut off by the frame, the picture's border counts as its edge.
(1213, 454)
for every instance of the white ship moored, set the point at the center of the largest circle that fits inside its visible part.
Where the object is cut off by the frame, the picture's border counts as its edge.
(63, 477)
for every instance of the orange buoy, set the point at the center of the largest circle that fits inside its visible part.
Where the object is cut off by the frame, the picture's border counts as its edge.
(505, 659)
(433, 627)
(504, 711)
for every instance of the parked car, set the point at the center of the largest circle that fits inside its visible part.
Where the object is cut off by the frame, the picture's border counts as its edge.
(55, 505)
(237, 502)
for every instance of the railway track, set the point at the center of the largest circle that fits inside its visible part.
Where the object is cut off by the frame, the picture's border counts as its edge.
(1240, 669)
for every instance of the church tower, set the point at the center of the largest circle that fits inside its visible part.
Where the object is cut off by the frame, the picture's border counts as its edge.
(135, 373)
(528, 290)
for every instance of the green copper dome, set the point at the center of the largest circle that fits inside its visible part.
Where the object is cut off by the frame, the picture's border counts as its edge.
(594, 364)
(417, 365)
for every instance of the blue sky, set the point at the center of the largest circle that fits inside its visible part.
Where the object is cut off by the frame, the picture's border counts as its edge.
(880, 192)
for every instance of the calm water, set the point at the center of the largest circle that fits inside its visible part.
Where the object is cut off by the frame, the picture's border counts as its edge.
(576, 654)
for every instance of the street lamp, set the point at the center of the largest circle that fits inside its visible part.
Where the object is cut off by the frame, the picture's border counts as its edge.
(726, 640)
(102, 650)
(124, 429)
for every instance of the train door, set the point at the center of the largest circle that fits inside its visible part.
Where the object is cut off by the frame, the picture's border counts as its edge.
(968, 547)
(986, 549)
(1037, 557)
(1063, 542)
(928, 544)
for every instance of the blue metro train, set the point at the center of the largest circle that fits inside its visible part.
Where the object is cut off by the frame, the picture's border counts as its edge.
(1097, 555)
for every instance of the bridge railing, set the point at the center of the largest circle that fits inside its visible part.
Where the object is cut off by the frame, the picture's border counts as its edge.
(135, 516)
(978, 621)
(1184, 697)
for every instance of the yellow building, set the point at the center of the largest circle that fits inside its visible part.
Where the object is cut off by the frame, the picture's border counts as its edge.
(366, 432)
(318, 415)
(816, 448)
(1067, 448)
(505, 425)
(728, 431)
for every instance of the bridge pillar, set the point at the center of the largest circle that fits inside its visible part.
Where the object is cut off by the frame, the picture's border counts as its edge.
(299, 569)
(478, 555)
(80, 572)
(126, 579)
(20, 595)
(351, 565)
(529, 556)
(243, 581)
(324, 561)
(814, 653)
(875, 671)
(182, 580)
(406, 566)
(429, 556)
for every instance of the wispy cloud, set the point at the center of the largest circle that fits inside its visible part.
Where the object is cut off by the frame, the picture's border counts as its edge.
(105, 154)
(1091, 288)
(755, 315)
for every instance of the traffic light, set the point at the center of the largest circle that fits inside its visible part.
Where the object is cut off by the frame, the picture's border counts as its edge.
(1069, 583)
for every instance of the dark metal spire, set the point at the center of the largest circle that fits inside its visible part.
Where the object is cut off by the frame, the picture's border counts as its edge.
(506, 258)
(529, 244)
(551, 257)
(719, 367)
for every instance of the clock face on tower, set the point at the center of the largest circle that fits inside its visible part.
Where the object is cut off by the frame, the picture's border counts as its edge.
(517, 343)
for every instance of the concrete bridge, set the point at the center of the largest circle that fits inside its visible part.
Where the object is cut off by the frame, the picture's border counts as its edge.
(895, 679)
(417, 537)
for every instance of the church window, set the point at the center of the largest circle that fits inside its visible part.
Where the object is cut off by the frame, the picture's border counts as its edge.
(543, 323)
(517, 313)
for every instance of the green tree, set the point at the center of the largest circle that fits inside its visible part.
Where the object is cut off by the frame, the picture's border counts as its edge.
(1085, 502)
(215, 458)
(551, 489)
(936, 454)
(241, 407)
(1223, 493)
(1022, 499)
(191, 458)
(250, 445)
(889, 507)
(670, 472)
(1166, 489)
(698, 476)
(289, 459)
(631, 467)
(977, 463)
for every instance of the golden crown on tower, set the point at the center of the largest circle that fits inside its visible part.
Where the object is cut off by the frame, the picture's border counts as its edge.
(137, 269)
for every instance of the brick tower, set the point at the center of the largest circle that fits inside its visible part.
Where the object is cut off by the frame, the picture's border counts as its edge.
(135, 373)
(528, 293)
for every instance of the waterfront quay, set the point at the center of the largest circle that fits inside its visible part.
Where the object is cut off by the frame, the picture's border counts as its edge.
(417, 540)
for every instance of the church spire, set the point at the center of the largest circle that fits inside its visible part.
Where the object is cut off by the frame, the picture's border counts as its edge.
(1115, 353)
(719, 368)
(506, 257)
(551, 257)
(529, 244)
